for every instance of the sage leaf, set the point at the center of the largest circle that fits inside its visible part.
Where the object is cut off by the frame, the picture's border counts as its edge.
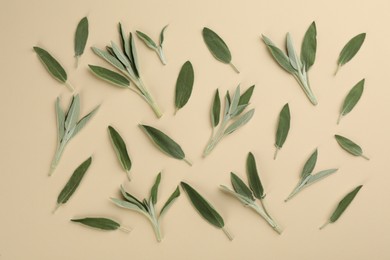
(124, 41)
(309, 46)
(205, 209)
(170, 200)
(246, 96)
(73, 183)
(147, 40)
(162, 34)
(239, 122)
(101, 223)
(120, 150)
(154, 190)
(109, 58)
(294, 60)
(81, 38)
(342, 206)
(147, 207)
(307, 178)
(134, 55)
(165, 143)
(217, 47)
(152, 45)
(240, 187)
(283, 128)
(253, 177)
(53, 67)
(350, 146)
(278, 55)
(110, 76)
(351, 99)
(68, 127)
(216, 110)
(350, 49)
(184, 84)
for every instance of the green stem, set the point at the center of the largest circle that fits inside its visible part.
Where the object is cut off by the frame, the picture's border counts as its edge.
(128, 175)
(337, 69)
(149, 99)
(56, 158)
(77, 61)
(157, 230)
(338, 120)
(216, 138)
(303, 82)
(234, 67)
(69, 86)
(324, 225)
(276, 152)
(227, 233)
(55, 209)
(266, 217)
(125, 229)
(365, 157)
(187, 161)
(161, 55)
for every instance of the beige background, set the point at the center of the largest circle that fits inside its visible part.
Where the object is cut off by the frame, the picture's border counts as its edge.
(28, 230)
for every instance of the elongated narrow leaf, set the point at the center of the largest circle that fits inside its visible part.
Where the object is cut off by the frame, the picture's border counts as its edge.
(154, 190)
(253, 177)
(216, 110)
(278, 55)
(52, 65)
(170, 200)
(309, 165)
(204, 208)
(162, 35)
(99, 223)
(147, 40)
(283, 126)
(110, 76)
(184, 84)
(234, 101)
(216, 45)
(320, 175)
(164, 142)
(246, 96)
(352, 98)
(124, 41)
(73, 113)
(132, 199)
(344, 203)
(60, 121)
(81, 37)
(292, 55)
(83, 121)
(120, 149)
(240, 187)
(309, 47)
(120, 55)
(128, 205)
(243, 199)
(134, 55)
(109, 58)
(73, 182)
(240, 122)
(350, 146)
(350, 49)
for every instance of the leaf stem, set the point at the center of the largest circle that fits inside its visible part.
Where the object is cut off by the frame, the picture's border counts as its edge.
(337, 69)
(324, 225)
(338, 120)
(266, 217)
(157, 230)
(161, 55)
(276, 152)
(56, 158)
(125, 229)
(216, 138)
(303, 82)
(234, 67)
(187, 161)
(55, 209)
(77, 61)
(128, 175)
(227, 233)
(365, 157)
(69, 86)
(148, 97)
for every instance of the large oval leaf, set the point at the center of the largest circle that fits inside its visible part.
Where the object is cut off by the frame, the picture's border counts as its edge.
(216, 45)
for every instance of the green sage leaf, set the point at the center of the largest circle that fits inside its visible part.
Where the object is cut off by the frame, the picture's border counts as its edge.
(170, 200)
(132, 199)
(109, 58)
(278, 55)
(204, 208)
(239, 122)
(246, 96)
(73, 113)
(217, 47)
(292, 55)
(350, 49)
(120, 55)
(240, 187)
(110, 76)
(99, 223)
(216, 110)
(309, 47)
(234, 102)
(129, 205)
(83, 121)
(253, 177)
(343, 205)
(162, 35)
(184, 84)
(154, 190)
(60, 121)
(283, 128)
(120, 150)
(164, 142)
(53, 66)
(309, 165)
(73, 182)
(352, 99)
(147, 40)
(134, 56)
(81, 37)
(320, 175)
(124, 41)
(350, 146)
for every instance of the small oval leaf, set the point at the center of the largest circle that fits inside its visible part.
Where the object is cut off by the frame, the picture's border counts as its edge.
(240, 187)
(184, 84)
(352, 98)
(51, 64)
(351, 48)
(81, 37)
(216, 110)
(253, 177)
(99, 223)
(110, 76)
(283, 126)
(350, 146)
(120, 149)
(309, 165)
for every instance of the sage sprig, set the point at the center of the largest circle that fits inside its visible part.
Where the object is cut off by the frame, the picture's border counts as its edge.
(351, 99)
(307, 178)
(218, 47)
(101, 223)
(247, 195)
(53, 67)
(233, 108)
(350, 50)
(205, 209)
(165, 143)
(152, 45)
(342, 206)
(125, 61)
(350, 146)
(68, 126)
(81, 38)
(73, 183)
(147, 206)
(120, 150)
(184, 84)
(283, 128)
(298, 67)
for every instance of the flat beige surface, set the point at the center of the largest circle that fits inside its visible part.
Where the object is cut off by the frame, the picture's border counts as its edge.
(28, 230)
